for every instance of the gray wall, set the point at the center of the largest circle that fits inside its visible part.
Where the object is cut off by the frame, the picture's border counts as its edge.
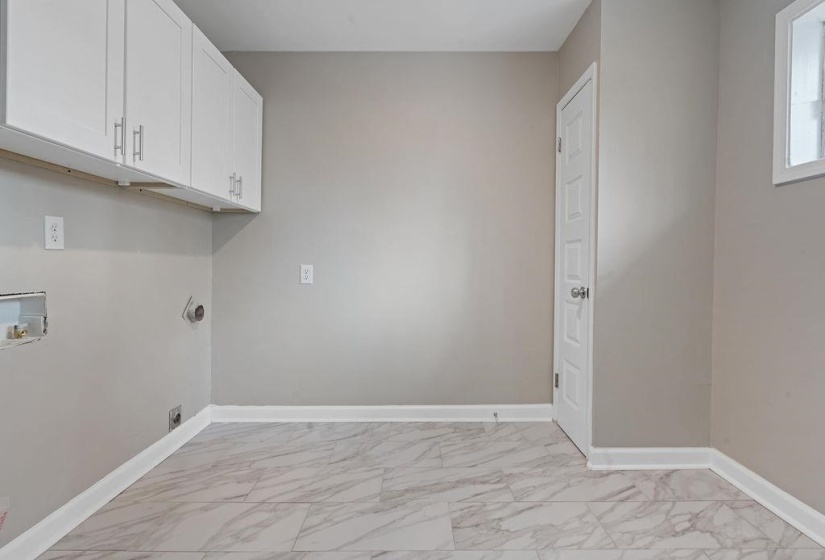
(581, 48)
(98, 390)
(654, 287)
(421, 188)
(768, 386)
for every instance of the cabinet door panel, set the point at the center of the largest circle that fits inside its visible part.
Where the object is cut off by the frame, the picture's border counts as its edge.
(212, 79)
(64, 75)
(247, 142)
(159, 88)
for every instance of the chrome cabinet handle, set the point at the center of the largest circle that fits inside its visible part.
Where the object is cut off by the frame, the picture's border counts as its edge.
(138, 132)
(240, 186)
(122, 126)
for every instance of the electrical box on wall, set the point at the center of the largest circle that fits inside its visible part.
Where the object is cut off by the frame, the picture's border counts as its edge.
(23, 318)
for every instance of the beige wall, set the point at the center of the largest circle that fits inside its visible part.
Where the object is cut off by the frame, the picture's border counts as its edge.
(581, 48)
(420, 186)
(98, 390)
(654, 287)
(768, 386)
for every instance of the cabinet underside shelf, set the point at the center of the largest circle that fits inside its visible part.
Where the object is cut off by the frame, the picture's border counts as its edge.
(147, 189)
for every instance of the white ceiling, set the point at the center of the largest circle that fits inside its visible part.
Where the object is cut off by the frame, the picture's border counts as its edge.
(385, 25)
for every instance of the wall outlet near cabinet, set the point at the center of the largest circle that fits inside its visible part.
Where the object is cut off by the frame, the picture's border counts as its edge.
(306, 274)
(175, 418)
(54, 233)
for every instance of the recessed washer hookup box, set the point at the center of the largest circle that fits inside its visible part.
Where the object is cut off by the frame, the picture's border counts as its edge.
(23, 318)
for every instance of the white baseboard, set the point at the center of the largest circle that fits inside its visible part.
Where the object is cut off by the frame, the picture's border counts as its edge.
(401, 413)
(45, 534)
(648, 458)
(50, 530)
(796, 513)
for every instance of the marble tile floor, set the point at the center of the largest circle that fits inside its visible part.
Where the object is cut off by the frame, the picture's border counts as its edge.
(429, 491)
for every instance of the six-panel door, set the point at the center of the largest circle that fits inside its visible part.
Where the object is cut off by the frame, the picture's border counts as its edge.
(65, 72)
(575, 215)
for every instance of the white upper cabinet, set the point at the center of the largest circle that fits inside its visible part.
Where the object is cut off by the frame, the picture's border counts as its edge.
(64, 72)
(158, 89)
(131, 91)
(212, 79)
(226, 128)
(247, 143)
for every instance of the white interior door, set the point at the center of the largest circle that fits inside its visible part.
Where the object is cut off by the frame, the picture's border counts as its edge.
(159, 89)
(65, 71)
(574, 252)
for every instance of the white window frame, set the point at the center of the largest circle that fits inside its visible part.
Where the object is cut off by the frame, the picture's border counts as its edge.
(783, 172)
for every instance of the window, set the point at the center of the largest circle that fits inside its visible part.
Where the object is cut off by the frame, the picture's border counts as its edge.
(799, 120)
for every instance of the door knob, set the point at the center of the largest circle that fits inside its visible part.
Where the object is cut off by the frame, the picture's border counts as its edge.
(579, 293)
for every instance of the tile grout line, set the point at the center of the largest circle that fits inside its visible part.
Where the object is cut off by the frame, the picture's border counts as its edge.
(254, 486)
(599, 521)
(757, 529)
(381, 488)
(301, 528)
(452, 525)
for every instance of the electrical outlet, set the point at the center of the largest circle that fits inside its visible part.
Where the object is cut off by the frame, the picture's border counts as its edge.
(175, 418)
(306, 274)
(54, 233)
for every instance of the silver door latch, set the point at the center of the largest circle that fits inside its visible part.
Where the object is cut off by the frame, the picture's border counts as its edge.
(582, 293)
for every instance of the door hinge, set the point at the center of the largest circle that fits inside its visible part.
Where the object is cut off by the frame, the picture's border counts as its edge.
(559, 145)
(556, 382)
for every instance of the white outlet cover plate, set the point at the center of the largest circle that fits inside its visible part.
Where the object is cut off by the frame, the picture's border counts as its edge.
(306, 274)
(54, 233)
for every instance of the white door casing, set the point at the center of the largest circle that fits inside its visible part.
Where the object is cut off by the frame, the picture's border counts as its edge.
(575, 259)
(65, 72)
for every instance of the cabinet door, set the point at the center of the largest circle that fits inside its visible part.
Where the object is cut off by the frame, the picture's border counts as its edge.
(247, 143)
(159, 89)
(64, 71)
(212, 77)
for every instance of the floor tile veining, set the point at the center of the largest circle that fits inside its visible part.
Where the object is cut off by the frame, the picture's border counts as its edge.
(428, 491)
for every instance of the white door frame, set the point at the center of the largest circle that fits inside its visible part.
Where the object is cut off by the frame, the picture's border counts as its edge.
(590, 75)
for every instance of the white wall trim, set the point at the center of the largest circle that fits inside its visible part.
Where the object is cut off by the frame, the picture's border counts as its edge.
(60, 523)
(400, 413)
(50, 530)
(648, 458)
(783, 171)
(793, 511)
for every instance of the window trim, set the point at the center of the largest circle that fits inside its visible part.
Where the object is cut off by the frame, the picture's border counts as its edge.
(783, 172)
